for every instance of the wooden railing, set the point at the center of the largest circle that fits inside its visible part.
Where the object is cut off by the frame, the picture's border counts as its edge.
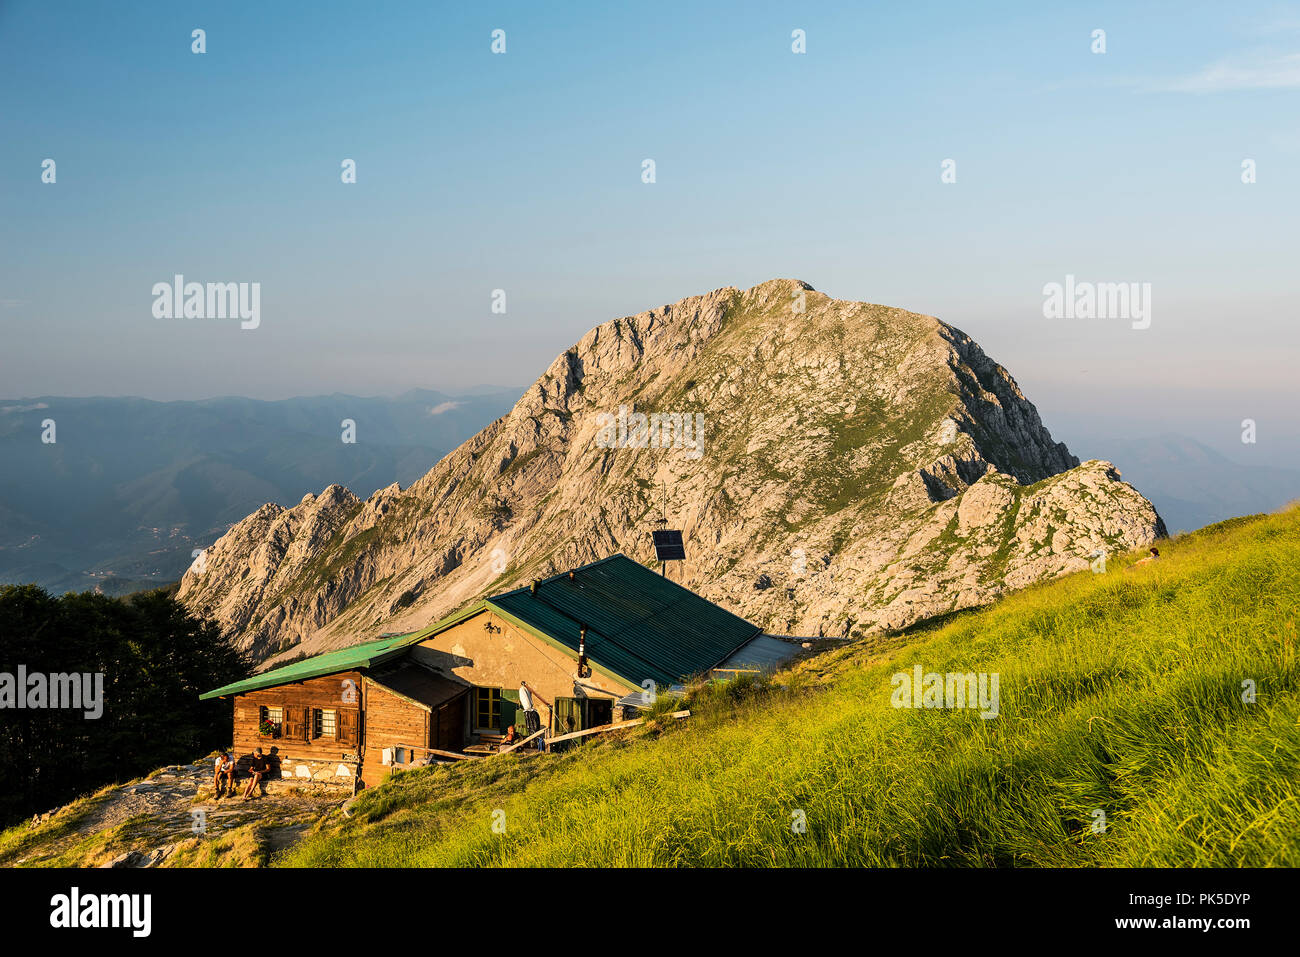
(548, 741)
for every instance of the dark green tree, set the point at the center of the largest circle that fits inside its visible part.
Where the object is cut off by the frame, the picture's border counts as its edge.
(156, 658)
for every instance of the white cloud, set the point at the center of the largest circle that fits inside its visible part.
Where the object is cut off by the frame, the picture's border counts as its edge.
(442, 407)
(1256, 72)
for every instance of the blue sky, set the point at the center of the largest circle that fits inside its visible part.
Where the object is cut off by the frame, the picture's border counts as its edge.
(522, 172)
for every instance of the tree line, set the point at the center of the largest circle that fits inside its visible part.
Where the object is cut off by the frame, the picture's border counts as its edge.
(150, 658)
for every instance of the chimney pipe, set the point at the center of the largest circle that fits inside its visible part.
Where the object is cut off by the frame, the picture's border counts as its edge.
(584, 670)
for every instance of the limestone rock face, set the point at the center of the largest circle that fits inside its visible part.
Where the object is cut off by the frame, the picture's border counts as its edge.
(837, 468)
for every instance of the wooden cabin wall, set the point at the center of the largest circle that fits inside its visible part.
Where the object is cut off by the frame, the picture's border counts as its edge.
(298, 700)
(391, 720)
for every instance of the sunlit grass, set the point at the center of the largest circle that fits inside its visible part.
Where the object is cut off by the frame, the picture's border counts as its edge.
(1120, 694)
(23, 839)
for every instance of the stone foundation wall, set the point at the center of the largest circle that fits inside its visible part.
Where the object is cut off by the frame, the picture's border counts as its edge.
(307, 777)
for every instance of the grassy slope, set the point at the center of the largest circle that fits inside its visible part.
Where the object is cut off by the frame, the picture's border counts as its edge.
(19, 841)
(1120, 692)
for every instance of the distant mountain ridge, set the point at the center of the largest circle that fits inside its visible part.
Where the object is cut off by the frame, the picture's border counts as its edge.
(862, 468)
(1194, 485)
(131, 487)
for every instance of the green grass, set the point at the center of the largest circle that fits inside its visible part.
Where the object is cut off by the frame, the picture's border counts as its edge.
(1119, 692)
(245, 846)
(20, 840)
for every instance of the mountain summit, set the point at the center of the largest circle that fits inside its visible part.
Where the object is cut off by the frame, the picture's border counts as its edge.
(837, 468)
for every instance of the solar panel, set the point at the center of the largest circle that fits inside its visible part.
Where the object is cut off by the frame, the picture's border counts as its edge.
(668, 545)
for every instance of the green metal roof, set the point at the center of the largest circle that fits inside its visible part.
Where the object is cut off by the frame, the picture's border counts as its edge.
(345, 659)
(639, 624)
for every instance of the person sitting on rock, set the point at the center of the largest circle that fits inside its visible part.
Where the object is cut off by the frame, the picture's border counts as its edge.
(257, 769)
(225, 775)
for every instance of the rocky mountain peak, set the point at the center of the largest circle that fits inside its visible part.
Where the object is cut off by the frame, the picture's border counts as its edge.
(872, 462)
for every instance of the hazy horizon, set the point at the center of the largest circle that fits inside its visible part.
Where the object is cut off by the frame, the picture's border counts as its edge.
(479, 171)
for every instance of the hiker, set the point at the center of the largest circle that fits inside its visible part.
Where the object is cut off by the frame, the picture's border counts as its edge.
(512, 737)
(532, 721)
(1155, 553)
(256, 769)
(224, 778)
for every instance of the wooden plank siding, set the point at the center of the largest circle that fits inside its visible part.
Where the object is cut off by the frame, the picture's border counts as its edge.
(393, 720)
(390, 720)
(298, 741)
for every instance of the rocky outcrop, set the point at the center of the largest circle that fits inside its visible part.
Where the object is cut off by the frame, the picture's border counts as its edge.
(837, 468)
(173, 819)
